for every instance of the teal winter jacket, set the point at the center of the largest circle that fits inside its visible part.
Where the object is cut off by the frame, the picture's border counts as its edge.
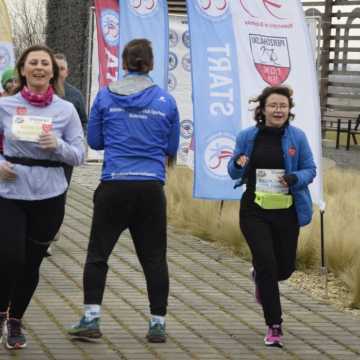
(298, 160)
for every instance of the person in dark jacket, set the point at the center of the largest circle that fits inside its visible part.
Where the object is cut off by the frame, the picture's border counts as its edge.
(275, 162)
(72, 94)
(136, 123)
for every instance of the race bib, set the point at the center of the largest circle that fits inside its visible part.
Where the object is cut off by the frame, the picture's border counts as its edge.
(29, 128)
(267, 180)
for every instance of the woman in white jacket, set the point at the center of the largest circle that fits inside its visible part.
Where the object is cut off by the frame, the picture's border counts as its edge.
(42, 133)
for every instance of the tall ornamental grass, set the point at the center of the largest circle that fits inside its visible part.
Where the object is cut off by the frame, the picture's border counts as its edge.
(203, 218)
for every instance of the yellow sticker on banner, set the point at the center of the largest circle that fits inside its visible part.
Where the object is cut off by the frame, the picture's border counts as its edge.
(273, 201)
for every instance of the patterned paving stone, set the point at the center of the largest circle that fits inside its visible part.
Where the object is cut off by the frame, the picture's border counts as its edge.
(212, 313)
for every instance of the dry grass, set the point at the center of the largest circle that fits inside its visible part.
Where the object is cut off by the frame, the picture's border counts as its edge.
(342, 226)
(331, 135)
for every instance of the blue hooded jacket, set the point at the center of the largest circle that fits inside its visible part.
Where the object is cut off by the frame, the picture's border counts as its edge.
(298, 160)
(137, 132)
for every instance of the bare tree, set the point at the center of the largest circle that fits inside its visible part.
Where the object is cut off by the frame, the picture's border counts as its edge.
(28, 20)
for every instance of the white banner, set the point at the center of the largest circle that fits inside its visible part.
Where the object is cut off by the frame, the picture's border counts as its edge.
(179, 84)
(7, 58)
(274, 48)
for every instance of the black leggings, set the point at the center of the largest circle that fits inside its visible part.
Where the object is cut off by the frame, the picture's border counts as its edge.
(272, 236)
(139, 206)
(26, 229)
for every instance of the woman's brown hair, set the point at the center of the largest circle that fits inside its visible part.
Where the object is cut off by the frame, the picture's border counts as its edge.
(58, 88)
(138, 56)
(286, 91)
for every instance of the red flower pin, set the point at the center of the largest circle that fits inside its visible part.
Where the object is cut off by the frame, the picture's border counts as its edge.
(21, 110)
(46, 127)
(292, 151)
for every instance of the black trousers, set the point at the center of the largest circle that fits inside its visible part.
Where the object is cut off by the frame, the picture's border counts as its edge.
(139, 206)
(272, 236)
(26, 229)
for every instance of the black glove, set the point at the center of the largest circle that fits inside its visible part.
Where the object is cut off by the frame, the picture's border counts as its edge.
(290, 179)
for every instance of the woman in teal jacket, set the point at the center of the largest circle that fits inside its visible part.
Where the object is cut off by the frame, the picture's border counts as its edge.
(274, 160)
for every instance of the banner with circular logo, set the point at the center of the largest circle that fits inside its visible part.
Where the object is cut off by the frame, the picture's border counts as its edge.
(7, 57)
(106, 40)
(180, 85)
(147, 19)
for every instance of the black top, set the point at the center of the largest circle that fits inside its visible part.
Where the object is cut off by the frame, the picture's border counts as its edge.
(73, 95)
(267, 154)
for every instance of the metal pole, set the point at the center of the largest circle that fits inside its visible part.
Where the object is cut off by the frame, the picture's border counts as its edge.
(89, 63)
(90, 53)
(323, 269)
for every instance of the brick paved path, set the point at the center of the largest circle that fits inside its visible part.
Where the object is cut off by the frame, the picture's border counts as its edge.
(212, 313)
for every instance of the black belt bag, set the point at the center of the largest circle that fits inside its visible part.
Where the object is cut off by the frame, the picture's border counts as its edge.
(34, 162)
(41, 162)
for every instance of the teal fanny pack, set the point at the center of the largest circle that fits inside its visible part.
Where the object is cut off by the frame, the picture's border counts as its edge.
(272, 201)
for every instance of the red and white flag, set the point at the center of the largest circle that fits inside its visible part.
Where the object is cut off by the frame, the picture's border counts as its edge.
(108, 32)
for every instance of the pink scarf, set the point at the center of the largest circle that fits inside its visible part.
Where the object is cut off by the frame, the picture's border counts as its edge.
(39, 100)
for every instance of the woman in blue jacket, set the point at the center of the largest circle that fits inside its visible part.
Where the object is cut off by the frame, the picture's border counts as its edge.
(137, 124)
(275, 162)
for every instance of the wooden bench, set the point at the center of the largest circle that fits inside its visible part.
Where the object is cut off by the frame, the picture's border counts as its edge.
(342, 124)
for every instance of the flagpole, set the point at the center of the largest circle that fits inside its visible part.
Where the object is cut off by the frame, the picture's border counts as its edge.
(323, 269)
(89, 60)
(89, 63)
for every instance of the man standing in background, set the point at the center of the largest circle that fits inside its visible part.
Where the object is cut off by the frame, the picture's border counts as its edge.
(73, 95)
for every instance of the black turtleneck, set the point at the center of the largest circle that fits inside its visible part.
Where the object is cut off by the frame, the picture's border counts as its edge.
(267, 154)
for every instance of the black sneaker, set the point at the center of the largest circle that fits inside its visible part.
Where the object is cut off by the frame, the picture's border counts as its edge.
(15, 337)
(3, 316)
(156, 333)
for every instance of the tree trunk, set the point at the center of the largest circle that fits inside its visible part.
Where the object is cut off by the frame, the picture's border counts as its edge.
(67, 32)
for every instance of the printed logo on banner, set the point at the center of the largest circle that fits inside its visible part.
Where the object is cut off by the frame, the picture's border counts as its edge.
(186, 38)
(173, 38)
(186, 129)
(217, 154)
(172, 82)
(4, 58)
(144, 7)
(186, 62)
(110, 26)
(271, 57)
(213, 9)
(275, 8)
(173, 61)
(184, 152)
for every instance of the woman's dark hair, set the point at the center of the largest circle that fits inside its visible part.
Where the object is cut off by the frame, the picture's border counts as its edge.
(286, 91)
(58, 89)
(138, 56)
